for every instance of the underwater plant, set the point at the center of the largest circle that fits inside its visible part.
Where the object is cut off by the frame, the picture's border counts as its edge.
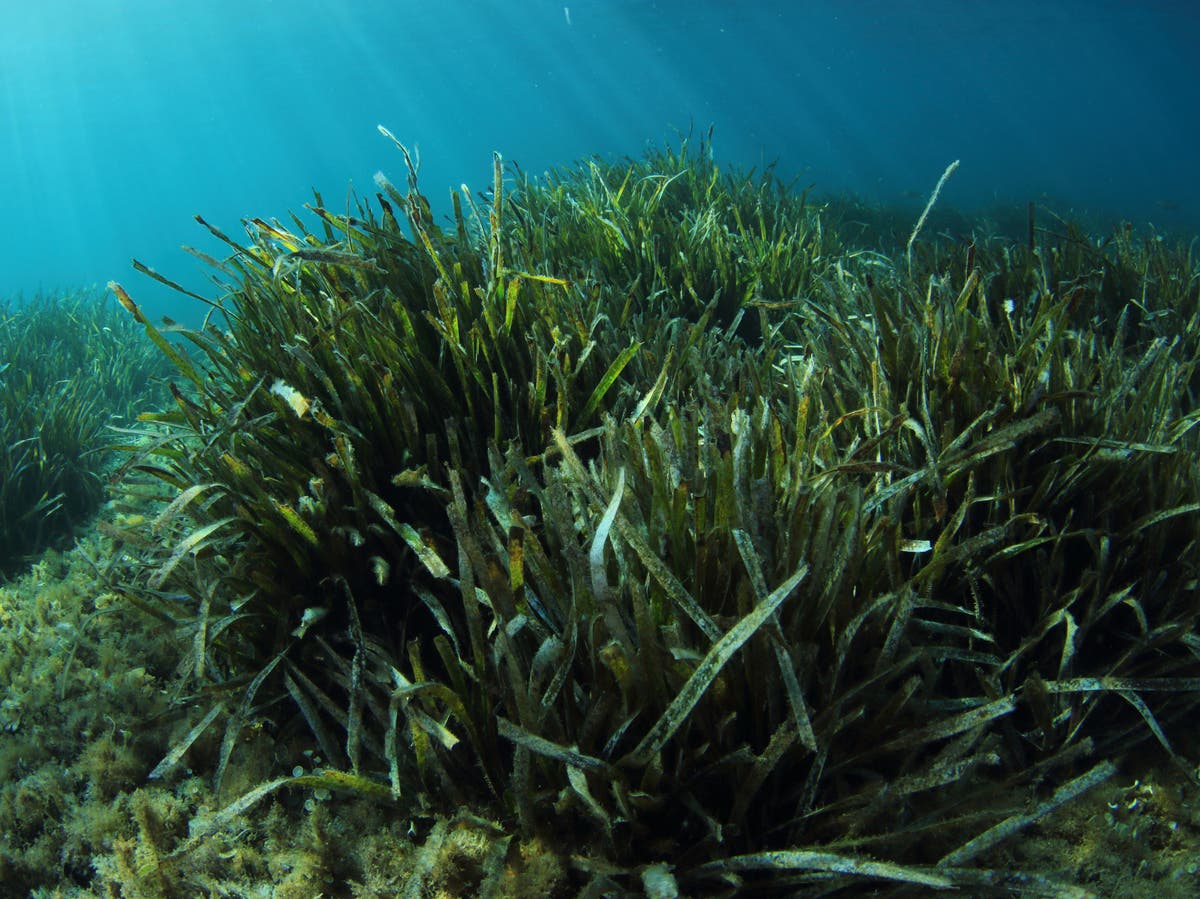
(70, 364)
(635, 508)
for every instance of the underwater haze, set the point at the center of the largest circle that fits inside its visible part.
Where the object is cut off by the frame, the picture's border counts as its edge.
(122, 119)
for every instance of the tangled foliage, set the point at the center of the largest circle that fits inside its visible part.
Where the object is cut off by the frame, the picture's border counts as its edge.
(636, 508)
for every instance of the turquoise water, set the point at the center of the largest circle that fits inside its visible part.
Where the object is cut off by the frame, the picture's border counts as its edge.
(121, 119)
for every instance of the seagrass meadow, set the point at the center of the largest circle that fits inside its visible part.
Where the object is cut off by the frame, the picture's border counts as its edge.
(650, 528)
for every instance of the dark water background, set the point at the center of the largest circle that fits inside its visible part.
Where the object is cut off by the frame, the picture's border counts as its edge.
(121, 119)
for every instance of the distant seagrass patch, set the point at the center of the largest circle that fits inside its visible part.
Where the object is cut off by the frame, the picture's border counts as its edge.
(72, 366)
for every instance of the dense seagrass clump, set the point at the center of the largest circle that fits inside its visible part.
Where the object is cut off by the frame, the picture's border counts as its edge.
(71, 364)
(634, 508)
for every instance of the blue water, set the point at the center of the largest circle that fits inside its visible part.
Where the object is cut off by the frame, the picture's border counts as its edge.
(121, 119)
